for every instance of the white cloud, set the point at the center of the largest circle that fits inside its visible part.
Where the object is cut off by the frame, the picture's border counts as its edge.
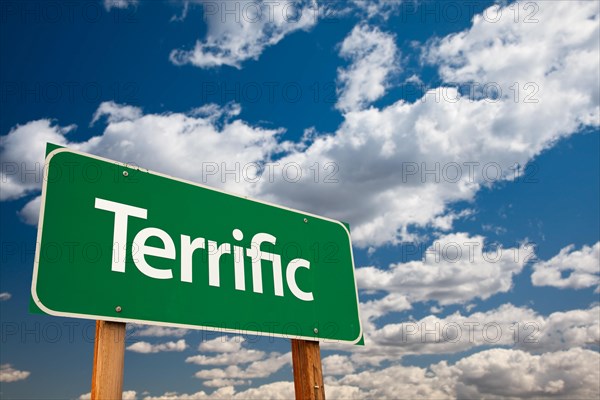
(582, 266)
(242, 356)
(186, 396)
(492, 374)
(455, 269)
(145, 347)
(224, 382)
(231, 353)
(5, 296)
(110, 4)
(382, 155)
(378, 8)
(371, 310)
(374, 309)
(507, 325)
(374, 59)
(512, 373)
(558, 53)
(562, 330)
(223, 344)
(435, 310)
(257, 369)
(269, 391)
(9, 374)
(184, 12)
(214, 111)
(178, 142)
(337, 365)
(244, 32)
(435, 382)
(127, 395)
(22, 153)
(158, 331)
(30, 214)
(374, 151)
(116, 112)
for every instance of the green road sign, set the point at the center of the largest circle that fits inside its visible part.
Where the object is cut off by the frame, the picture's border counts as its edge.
(125, 244)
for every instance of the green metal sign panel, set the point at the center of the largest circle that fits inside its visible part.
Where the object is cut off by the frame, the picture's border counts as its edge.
(126, 244)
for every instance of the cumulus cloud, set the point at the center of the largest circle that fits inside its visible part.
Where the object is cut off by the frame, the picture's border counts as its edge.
(145, 347)
(257, 369)
(497, 50)
(269, 391)
(157, 331)
(570, 268)
(5, 296)
(22, 153)
(242, 356)
(508, 325)
(505, 326)
(116, 112)
(494, 374)
(371, 310)
(110, 4)
(505, 373)
(127, 395)
(337, 365)
(401, 166)
(223, 344)
(456, 268)
(179, 141)
(224, 383)
(435, 382)
(561, 331)
(451, 334)
(392, 169)
(378, 8)
(373, 59)
(9, 374)
(30, 214)
(240, 364)
(245, 32)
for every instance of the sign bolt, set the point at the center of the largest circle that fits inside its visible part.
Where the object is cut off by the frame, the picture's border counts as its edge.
(305, 220)
(125, 173)
(118, 308)
(316, 330)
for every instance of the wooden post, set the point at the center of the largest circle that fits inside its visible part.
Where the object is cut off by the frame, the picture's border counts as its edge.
(308, 374)
(109, 357)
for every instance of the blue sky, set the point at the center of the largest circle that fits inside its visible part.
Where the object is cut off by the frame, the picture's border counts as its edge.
(443, 127)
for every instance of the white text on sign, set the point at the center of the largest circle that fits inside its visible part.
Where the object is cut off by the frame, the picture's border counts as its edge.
(189, 246)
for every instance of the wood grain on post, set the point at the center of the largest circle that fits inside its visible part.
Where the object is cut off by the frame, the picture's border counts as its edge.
(109, 357)
(308, 374)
